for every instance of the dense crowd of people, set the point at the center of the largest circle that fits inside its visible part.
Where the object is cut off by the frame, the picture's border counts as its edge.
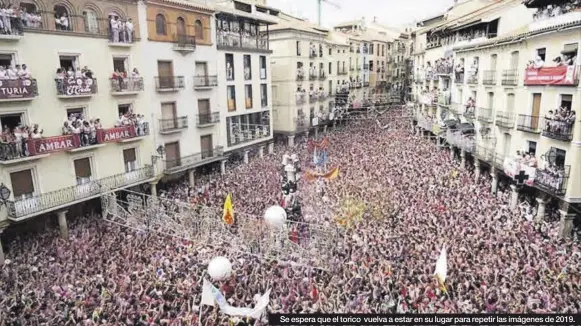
(554, 10)
(412, 200)
(14, 141)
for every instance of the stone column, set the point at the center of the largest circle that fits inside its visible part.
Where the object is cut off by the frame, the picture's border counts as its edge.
(513, 197)
(541, 210)
(223, 167)
(261, 152)
(566, 224)
(245, 157)
(291, 141)
(271, 148)
(476, 170)
(62, 217)
(451, 153)
(325, 129)
(1, 251)
(192, 177)
(462, 159)
(153, 186)
(494, 187)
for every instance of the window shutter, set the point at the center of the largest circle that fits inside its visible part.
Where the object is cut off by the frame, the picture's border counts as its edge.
(129, 155)
(21, 183)
(83, 168)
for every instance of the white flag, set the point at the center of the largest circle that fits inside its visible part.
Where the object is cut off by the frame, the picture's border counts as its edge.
(442, 266)
(207, 296)
(211, 294)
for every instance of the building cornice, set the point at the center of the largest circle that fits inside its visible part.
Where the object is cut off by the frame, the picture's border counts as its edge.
(189, 6)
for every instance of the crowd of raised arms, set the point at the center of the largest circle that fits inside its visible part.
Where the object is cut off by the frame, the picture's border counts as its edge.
(414, 199)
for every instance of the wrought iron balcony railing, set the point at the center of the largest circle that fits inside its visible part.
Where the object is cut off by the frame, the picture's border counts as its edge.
(208, 118)
(489, 77)
(509, 77)
(176, 164)
(49, 201)
(499, 161)
(505, 119)
(76, 87)
(205, 81)
(169, 83)
(313, 76)
(126, 85)
(313, 98)
(553, 181)
(558, 129)
(485, 115)
(529, 123)
(173, 124)
(184, 42)
(459, 77)
(365, 67)
(300, 77)
(300, 99)
(472, 78)
(18, 89)
(485, 153)
(444, 70)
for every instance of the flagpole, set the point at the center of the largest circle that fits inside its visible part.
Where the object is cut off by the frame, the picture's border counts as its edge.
(201, 305)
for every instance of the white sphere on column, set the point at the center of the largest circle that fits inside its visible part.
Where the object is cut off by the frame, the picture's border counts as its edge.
(275, 216)
(219, 268)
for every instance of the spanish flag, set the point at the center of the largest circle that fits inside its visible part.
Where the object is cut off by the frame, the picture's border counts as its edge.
(228, 215)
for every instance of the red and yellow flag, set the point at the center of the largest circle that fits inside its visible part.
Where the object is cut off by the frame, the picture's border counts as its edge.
(228, 215)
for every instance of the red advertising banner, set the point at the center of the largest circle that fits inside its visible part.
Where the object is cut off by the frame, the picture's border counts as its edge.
(116, 134)
(560, 75)
(17, 88)
(52, 144)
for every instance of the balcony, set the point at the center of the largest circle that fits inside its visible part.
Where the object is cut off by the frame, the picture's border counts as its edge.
(485, 153)
(366, 67)
(322, 75)
(323, 96)
(313, 98)
(37, 148)
(169, 83)
(204, 82)
(300, 98)
(172, 125)
(228, 40)
(184, 43)
(300, 76)
(207, 119)
(444, 70)
(249, 134)
(342, 71)
(499, 161)
(358, 68)
(313, 76)
(459, 78)
(187, 162)
(126, 86)
(121, 39)
(554, 180)
(509, 77)
(558, 129)
(444, 99)
(485, 115)
(472, 78)
(489, 77)
(529, 123)
(75, 87)
(350, 69)
(457, 108)
(505, 119)
(554, 76)
(365, 84)
(12, 90)
(542, 23)
(46, 202)
(312, 54)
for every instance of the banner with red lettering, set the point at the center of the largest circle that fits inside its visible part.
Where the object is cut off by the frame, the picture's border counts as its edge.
(560, 75)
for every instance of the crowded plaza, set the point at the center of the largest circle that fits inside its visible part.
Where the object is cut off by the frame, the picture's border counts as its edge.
(411, 200)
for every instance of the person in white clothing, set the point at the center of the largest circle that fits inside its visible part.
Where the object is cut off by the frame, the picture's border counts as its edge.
(129, 30)
(115, 29)
(12, 73)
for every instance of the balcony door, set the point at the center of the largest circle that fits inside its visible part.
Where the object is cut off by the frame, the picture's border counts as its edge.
(201, 69)
(507, 139)
(165, 73)
(536, 111)
(84, 176)
(204, 111)
(22, 184)
(168, 116)
(172, 154)
(180, 27)
(206, 145)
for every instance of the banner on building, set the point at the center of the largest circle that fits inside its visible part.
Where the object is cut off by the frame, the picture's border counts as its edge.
(522, 173)
(559, 75)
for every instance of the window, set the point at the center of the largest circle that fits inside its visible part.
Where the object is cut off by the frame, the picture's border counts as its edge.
(22, 184)
(248, 96)
(76, 113)
(566, 101)
(510, 102)
(231, 92)
(493, 61)
(123, 109)
(160, 25)
(262, 67)
(263, 96)
(330, 68)
(83, 170)
(559, 157)
(330, 87)
(247, 67)
(11, 121)
(62, 18)
(229, 66)
(91, 22)
(542, 52)
(298, 48)
(120, 64)
(331, 51)
(206, 144)
(69, 62)
(199, 29)
(130, 160)
(180, 27)
(338, 67)
(532, 147)
(514, 60)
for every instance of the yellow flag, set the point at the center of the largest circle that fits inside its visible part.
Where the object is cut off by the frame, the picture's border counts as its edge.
(332, 174)
(228, 215)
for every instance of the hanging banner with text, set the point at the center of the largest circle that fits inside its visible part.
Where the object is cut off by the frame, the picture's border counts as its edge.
(560, 75)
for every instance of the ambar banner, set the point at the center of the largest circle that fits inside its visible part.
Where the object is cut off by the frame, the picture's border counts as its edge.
(560, 75)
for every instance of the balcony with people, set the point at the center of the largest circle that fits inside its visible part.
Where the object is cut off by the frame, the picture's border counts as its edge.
(123, 83)
(73, 83)
(312, 50)
(313, 96)
(445, 98)
(444, 66)
(505, 119)
(521, 167)
(550, 13)
(300, 96)
(23, 143)
(529, 123)
(300, 72)
(564, 70)
(559, 124)
(469, 35)
(241, 33)
(473, 73)
(17, 84)
(459, 73)
(322, 74)
(241, 131)
(313, 73)
(469, 108)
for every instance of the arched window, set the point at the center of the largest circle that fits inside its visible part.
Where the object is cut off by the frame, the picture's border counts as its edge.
(199, 29)
(181, 26)
(32, 19)
(91, 22)
(160, 25)
(62, 18)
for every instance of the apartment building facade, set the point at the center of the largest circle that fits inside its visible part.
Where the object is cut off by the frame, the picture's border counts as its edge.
(76, 122)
